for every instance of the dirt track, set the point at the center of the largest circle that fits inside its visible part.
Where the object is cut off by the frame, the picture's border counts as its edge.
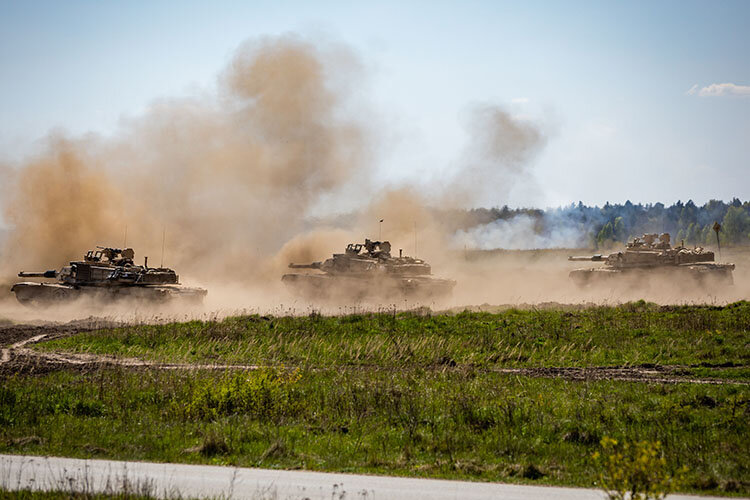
(662, 374)
(17, 358)
(16, 333)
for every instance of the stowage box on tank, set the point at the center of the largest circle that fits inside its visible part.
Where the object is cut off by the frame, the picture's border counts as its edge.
(106, 273)
(367, 271)
(650, 254)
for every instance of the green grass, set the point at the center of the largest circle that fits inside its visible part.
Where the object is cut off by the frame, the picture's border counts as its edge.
(456, 424)
(635, 333)
(731, 373)
(406, 393)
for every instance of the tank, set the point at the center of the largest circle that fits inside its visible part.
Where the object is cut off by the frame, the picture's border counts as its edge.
(367, 271)
(105, 273)
(653, 254)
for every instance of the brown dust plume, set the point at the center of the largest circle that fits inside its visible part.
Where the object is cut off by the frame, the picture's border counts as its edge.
(228, 177)
(231, 178)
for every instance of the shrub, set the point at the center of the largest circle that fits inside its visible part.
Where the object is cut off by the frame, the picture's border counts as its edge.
(636, 471)
(264, 394)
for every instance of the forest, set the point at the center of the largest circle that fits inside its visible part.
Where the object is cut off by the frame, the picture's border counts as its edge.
(607, 225)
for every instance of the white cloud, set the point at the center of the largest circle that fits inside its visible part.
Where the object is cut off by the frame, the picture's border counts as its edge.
(520, 100)
(720, 89)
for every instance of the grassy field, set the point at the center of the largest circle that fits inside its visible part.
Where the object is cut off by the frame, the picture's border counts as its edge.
(408, 393)
(636, 333)
(457, 424)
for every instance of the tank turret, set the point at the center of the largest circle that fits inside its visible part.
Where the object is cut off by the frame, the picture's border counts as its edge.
(108, 273)
(365, 270)
(651, 253)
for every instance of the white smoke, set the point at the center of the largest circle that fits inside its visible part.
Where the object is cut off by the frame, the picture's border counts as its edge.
(519, 233)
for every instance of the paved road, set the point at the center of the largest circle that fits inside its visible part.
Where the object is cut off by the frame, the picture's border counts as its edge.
(17, 472)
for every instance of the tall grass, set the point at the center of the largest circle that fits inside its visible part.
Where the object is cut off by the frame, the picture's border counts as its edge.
(635, 333)
(453, 424)
(422, 399)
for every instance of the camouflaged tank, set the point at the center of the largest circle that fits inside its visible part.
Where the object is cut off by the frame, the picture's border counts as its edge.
(367, 271)
(652, 254)
(108, 274)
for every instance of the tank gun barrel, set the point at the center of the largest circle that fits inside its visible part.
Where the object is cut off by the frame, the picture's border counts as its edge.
(314, 265)
(588, 258)
(45, 274)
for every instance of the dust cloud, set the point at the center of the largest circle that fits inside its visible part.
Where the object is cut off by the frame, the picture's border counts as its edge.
(499, 155)
(227, 180)
(58, 201)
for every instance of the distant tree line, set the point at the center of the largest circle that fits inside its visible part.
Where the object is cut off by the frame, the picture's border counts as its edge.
(616, 223)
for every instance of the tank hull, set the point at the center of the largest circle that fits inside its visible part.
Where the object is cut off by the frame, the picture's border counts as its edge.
(331, 287)
(703, 272)
(33, 294)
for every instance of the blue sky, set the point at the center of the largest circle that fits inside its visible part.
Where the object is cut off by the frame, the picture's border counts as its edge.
(608, 81)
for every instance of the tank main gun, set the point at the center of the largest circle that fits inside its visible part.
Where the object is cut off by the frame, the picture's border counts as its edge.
(45, 274)
(314, 265)
(588, 258)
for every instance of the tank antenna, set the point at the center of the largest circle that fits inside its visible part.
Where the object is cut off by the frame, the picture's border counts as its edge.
(415, 238)
(717, 228)
(380, 231)
(163, 239)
